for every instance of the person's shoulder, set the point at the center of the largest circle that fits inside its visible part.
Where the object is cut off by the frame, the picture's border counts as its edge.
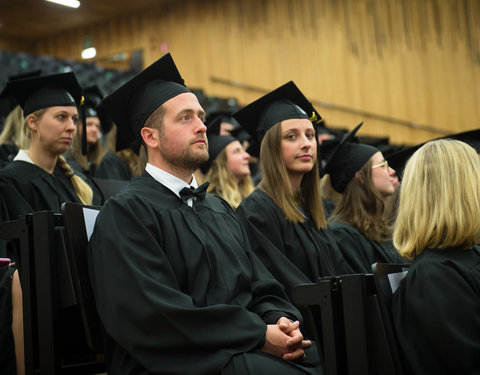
(257, 198)
(338, 226)
(19, 170)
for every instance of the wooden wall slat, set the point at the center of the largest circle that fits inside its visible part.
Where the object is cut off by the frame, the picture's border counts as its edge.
(417, 60)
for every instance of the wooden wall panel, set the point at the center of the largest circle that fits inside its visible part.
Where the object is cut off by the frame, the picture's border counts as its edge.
(413, 60)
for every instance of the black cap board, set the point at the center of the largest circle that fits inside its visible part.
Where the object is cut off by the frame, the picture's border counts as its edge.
(399, 159)
(46, 91)
(346, 159)
(132, 103)
(284, 103)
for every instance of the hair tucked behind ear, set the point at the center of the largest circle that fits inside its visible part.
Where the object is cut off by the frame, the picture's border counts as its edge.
(83, 191)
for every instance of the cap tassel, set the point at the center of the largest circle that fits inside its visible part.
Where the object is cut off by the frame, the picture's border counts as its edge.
(84, 125)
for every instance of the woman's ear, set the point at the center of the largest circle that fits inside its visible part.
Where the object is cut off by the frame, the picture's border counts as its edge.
(359, 178)
(32, 122)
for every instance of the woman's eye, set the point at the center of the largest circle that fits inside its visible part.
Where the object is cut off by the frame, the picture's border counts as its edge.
(61, 117)
(310, 136)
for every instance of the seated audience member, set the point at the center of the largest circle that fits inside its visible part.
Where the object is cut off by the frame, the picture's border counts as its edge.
(227, 170)
(436, 308)
(10, 136)
(284, 215)
(40, 174)
(88, 162)
(176, 285)
(119, 165)
(358, 223)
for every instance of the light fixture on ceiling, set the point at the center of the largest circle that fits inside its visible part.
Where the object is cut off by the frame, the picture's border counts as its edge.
(89, 51)
(67, 3)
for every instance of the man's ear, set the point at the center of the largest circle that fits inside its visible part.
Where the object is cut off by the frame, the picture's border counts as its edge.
(150, 137)
(359, 178)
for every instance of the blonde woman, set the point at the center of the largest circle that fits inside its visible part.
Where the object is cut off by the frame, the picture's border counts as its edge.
(284, 215)
(227, 169)
(361, 174)
(40, 174)
(436, 309)
(229, 174)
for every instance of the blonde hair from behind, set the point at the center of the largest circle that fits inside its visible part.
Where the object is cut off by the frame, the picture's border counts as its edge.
(224, 184)
(439, 199)
(276, 183)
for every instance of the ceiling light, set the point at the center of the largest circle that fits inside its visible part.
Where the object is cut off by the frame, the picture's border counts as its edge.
(89, 53)
(67, 3)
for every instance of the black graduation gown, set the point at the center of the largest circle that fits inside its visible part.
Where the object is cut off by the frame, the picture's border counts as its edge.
(436, 312)
(7, 153)
(40, 189)
(361, 252)
(112, 167)
(7, 352)
(295, 253)
(177, 288)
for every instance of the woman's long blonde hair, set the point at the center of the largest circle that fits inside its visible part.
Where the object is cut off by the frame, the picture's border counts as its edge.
(362, 207)
(81, 188)
(12, 133)
(439, 199)
(222, 181)
(276, 183)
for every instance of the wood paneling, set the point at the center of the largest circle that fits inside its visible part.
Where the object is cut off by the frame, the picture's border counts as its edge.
(414, 60)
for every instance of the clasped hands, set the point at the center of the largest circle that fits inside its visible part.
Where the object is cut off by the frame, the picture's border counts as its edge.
(285, 340)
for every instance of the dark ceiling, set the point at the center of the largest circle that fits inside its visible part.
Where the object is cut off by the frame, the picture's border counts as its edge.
(33, 19)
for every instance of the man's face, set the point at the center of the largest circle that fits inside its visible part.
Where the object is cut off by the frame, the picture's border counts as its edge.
(183, 142)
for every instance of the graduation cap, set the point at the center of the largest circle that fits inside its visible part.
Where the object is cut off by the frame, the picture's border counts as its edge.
(93, 98)
(7, 100)
(216, 142)
(46, 91)
(284, 103)
(398, 160)
(346, 159)
(49, 91)
(132, 103)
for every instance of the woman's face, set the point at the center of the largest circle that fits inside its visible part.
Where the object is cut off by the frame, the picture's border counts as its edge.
(383, 177)
(55, 129)
(237, 160)
(93, 130)
(298, 146)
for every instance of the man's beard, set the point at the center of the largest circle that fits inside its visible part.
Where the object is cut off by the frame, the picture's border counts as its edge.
(186, 160)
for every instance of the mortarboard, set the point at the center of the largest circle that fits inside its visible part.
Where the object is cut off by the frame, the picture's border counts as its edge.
(284, 103)
(346, 159)
(399, 159)
(46, 91)
(216, 142)
(7, 100)
(132, 103)
(93, 98)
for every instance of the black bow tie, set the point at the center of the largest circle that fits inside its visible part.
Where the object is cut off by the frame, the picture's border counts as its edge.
(197, 194)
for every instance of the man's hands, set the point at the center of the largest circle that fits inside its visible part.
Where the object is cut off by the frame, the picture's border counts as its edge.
(285, 340)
